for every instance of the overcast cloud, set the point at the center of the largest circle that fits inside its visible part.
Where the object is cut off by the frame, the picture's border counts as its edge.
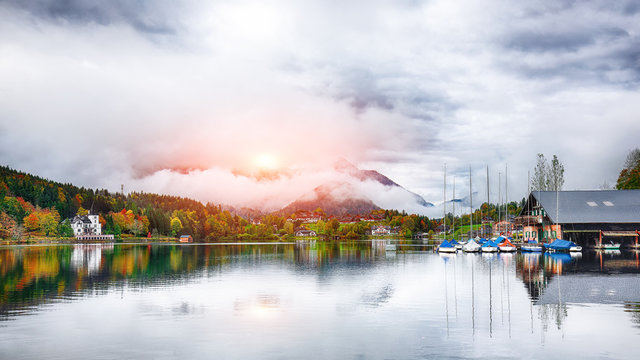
(181, 97)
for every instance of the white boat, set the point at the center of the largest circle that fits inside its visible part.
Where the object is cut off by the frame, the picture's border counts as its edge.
(471, 246)
(609, 246)
(390, 247)
(447, 247)
(506, 246)
(531, 248)
(489, 249)
(576, 248)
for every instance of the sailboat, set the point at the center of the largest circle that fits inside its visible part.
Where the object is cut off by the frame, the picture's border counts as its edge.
(505, 245)
(531, 246)
(559, 244)
(447, 247)
(471, 246)
(489, 246)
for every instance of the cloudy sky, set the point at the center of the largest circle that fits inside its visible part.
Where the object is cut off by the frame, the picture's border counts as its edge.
(200, 98)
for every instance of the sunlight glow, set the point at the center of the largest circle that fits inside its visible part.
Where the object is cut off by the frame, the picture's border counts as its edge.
(266, 161)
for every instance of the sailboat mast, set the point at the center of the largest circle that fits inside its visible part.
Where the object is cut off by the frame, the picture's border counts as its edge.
(506, 195)
(557, 208)
(444, 203)
(470, 204)
(453, 208)
(499, 204)
(528, 202)
(488, 199)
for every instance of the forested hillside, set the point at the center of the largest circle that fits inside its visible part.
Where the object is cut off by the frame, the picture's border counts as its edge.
(30, 204)
(33, 206)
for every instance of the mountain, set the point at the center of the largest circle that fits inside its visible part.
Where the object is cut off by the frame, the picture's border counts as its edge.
(358, 192)
(345, 167)
(335, 198)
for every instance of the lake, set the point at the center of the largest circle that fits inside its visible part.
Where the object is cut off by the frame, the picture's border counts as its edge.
(314, 300)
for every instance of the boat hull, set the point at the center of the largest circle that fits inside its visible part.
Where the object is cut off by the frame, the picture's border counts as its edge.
(608, 247)
(489, 249)
(527, 248)
(507, 248)
(447, 249)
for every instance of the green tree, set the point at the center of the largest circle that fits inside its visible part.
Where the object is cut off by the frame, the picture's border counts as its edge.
(64, 229)
(548, 177)
(539, 181)
(555, 175)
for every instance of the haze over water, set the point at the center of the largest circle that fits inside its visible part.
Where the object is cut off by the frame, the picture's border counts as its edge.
(313, 300)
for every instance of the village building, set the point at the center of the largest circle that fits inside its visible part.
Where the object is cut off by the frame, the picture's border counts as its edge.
(503, 228)
(88, 227)
(380, 230)
(304, 232)
(185, 239)
(585, 217)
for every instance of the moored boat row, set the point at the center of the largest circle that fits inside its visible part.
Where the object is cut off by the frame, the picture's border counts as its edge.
(503, 244)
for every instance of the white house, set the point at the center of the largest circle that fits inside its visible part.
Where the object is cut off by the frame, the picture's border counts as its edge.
(306, 233)
(381, 230)
(86, 225)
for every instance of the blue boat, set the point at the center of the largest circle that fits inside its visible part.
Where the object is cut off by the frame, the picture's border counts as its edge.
(562, 245)
(531, 246)
(447, 247)
(489, 246)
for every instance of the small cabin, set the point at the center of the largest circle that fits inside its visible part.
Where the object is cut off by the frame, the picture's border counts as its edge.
(186, 239)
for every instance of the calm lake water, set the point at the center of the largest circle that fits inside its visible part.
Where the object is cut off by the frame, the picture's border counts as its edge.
(314, 300)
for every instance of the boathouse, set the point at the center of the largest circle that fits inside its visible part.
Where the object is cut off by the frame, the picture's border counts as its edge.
(586, 217)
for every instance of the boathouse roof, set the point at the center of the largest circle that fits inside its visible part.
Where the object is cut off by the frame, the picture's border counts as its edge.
(587, 206)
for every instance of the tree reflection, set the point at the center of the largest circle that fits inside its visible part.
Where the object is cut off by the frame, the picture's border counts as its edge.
(30, 275)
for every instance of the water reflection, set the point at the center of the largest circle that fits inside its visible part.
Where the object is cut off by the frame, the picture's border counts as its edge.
(369, 303)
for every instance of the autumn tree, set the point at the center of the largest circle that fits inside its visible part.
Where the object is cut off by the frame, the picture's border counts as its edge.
(48, 221)
(288, 227)
(629, 177)
(31, 222)
(7, 224)
(176, 226)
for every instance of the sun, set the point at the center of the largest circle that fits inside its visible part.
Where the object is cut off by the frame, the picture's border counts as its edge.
(266, 161)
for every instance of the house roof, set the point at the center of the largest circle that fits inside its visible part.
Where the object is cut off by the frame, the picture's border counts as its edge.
(597, 206)
(84, 219)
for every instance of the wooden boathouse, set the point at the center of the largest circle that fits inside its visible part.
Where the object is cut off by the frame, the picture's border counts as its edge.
(585, 217)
